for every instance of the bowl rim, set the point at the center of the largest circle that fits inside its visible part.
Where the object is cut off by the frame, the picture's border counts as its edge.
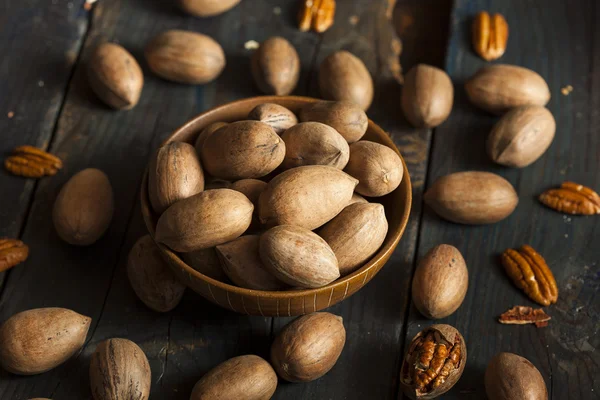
(380, 256)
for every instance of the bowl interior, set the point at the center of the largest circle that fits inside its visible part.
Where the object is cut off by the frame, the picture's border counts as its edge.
(397, 204)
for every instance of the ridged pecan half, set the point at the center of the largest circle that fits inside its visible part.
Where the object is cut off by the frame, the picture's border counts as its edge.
(521, 315)
(31, 162)
(529, 272)
(490, 34)
(316, 14)
(12, 252)
(572, 198)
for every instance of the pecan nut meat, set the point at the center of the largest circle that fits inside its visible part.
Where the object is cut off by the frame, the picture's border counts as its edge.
(572, 198)
(521, 315)
(316, 14)
(32, 162)
(529, 272)
(434, 362)
(490, 34)
(12, 252)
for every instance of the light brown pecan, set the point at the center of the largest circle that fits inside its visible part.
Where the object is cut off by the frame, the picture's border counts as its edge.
(572, 198)
(490, 34)
(521, 315)
(529, 272)
(12, 252)
(316, 14)
(31, 162)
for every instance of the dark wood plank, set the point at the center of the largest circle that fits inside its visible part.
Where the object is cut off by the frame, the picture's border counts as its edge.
(33, 90)
(374, 317)
(185, 343)
(560, 41)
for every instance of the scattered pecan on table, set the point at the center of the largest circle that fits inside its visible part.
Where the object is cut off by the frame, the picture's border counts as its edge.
(529, 272)
(521, 315)
(32, 162)
(316, 14)
(12, 252)
(572, 198)
(490, 34)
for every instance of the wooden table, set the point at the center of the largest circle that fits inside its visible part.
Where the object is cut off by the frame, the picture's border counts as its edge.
(44, 46)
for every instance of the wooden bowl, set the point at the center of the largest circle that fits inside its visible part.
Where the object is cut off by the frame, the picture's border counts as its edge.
(284, 303)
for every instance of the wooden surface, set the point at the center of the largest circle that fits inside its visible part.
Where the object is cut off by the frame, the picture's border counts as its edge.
(46, 44)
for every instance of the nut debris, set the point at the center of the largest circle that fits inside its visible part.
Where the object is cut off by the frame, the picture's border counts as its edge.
(572, 198)
(521, 315)
(32, 162)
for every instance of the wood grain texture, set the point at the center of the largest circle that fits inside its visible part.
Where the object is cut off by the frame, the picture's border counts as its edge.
(40, 43)
(561, 42)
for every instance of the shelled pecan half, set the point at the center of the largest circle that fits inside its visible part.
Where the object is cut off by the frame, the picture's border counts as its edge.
(32, 162)
(434, 362)
(521, 315)
(572, 198)
(316, 14)
(529, 272)
(490, 34)
(12, 252)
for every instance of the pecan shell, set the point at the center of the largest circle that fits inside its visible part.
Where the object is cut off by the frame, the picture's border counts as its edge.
(529, 272)
(521, 315)
(31, 162)
(12, 252)
(572, 198)
(490, 34)
(316, 14)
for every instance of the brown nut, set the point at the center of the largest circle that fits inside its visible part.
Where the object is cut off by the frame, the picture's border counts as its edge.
(308, 347)
(521, 136)
(206, 262)
(38, 340)
(242, 378)
(307, 196)
(357, 198)
(298, 257)
(115, 76)
(427, 96)
(242, 149)
(472, 197)
(356, 234)
(185, 57)
(498, 88)
(435, 360)
(572, 198)
(314, 143)
(204, 133)
(242, 264)
(440, 282)
(204, 220)
(84, 207)
(344, 77)
(378, 168)
(529, 272)
(207, 8)
(251, 188)
(490, 34)
(151, 278)
(119, 369)
(512, 377)
(316, 14)
(275, 66)
(277, 117)
(12, 252)
(347, 118)
(32, 162)
(174, 174)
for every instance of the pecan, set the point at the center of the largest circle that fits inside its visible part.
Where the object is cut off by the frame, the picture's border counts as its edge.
(572, 198)
(31, 162)
(490, 34)
(520, 315)
(529, 272)
(12, 252)
(316, 14)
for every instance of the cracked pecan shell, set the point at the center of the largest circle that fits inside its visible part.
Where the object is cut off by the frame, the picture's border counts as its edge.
(529, 272)
(572, 198)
